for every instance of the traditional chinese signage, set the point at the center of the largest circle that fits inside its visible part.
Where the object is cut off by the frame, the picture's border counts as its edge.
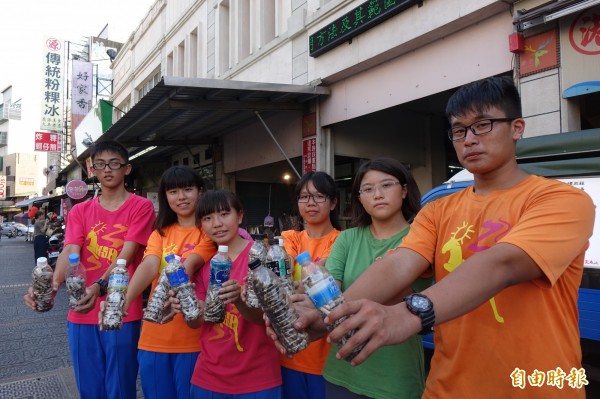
(47, 142)
(76, 189)
(309, 155)
(81, 92)
(541, 53)
(584, 33)
(52, 98)
(12, 110)
(2, 186)
(309, 125)
(353, 23)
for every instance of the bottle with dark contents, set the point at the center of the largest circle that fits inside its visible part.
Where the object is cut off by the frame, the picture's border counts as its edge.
(257, 251)
(220, 268)
(156, 303)
(279, 262)
(325, 294)
(115, 298)
(75, 279)
(42, 276)
(276, 304)
(183, 288)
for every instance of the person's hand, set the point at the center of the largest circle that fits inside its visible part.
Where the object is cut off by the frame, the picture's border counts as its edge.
(174, 303)
(375, 324)
(244, 293)
(29, 299)
(168, 313)
(88, 302)
(230, 292)
(101, 315)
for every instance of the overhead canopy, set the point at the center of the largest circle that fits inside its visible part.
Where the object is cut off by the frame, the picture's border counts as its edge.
(27, 202)
(548, 12)
(582, 88)
(191, 111)
(563, 154)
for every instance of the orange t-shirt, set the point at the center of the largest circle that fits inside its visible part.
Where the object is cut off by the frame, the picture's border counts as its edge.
(520, 342)
(312, 359)
(175, 336)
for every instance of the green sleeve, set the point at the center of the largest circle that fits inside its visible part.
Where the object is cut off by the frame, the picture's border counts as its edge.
(338, 256)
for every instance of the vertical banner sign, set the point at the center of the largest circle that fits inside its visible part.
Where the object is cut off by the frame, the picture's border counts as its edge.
(49, 142)
(52, 98)
(81, 92)
(2, 187)
(309, 155)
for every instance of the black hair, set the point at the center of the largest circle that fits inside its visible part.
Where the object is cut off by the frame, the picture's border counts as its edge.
(410, 205)
(217, 201)
(174, 177)
(324, 185)
(483, 94)
(110, 146)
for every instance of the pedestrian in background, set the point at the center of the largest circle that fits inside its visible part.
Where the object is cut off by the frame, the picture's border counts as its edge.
(40, 243)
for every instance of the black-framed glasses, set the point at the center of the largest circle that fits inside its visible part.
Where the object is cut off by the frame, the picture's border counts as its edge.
(113, 165)
(318, 198)
(478, 128)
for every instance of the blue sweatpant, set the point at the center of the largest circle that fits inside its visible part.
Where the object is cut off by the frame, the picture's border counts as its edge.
(299, 385)
(200, 393)
(166, 375)
(105, 362)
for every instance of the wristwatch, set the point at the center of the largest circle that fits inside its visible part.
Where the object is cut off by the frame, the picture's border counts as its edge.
(103, 285)
(420, 305)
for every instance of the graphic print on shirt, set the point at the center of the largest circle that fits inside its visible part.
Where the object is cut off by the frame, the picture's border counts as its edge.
(100, 252)
(492, 231)
(229, 329)
(173, 249)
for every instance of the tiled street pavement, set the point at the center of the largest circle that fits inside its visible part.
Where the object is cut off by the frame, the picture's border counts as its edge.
(34, 352)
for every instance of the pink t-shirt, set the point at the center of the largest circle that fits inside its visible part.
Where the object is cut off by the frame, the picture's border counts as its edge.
(237, 356)
(101, 234)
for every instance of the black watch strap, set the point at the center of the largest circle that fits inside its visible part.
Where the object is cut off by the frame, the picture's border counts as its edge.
(420, 305)
(103, 286)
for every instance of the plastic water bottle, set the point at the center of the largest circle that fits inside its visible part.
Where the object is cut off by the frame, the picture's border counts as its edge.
(324, 293)
(220, 267)
(257, 251)
(156, 303)
(276, 304)
(115, 299)
(76, 280)
(181, 284)
(42, 285)
(279, 262)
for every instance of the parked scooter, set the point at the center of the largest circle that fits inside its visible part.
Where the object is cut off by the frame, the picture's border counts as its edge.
(55, 245)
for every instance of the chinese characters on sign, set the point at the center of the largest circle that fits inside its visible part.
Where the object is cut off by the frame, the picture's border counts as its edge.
(576, 378)
(47, 142)
(52, 98)
(309, 155)
(2, 186)
(76, 189)
(353, 23)
(81, 92)
(584, 33)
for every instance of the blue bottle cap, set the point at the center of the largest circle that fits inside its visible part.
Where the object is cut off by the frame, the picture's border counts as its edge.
(169, 257)
(303, 257)
(73, 258)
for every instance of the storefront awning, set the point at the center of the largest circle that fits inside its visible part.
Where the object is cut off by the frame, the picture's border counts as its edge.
(582, 88)
(27, 202)
(540, 15)
(191, 111)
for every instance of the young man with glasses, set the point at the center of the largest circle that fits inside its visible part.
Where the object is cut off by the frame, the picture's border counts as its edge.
(115, 225)
(508, 259)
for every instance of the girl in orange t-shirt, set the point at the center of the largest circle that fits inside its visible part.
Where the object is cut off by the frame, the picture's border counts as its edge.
(317, 199)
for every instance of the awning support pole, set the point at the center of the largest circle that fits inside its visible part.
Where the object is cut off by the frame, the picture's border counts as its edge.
(277, 144)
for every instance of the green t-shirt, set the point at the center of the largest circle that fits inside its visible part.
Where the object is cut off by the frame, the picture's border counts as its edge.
(392, 372)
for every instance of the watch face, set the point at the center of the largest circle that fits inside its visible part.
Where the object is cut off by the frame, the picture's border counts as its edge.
(420, 303)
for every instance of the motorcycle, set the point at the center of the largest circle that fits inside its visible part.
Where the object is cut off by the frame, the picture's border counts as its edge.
(55, 246)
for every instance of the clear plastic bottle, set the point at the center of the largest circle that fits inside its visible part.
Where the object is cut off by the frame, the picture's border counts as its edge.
(184, 290)
(276, 304)
(324, 293)
(75, 277)
(156, 303)
(42, 285)
(257, 251)
(115, 298)
(220, 268)
(279, 262)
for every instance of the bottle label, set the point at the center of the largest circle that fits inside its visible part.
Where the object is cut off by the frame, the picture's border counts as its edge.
(118, 281)
(178, 277)
(274, 267)
(219, 272)
(324, 292)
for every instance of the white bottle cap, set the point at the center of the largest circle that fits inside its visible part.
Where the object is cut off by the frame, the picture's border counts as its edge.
(121, 262)
(223, 248)
(280, 242)
(41, 261)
